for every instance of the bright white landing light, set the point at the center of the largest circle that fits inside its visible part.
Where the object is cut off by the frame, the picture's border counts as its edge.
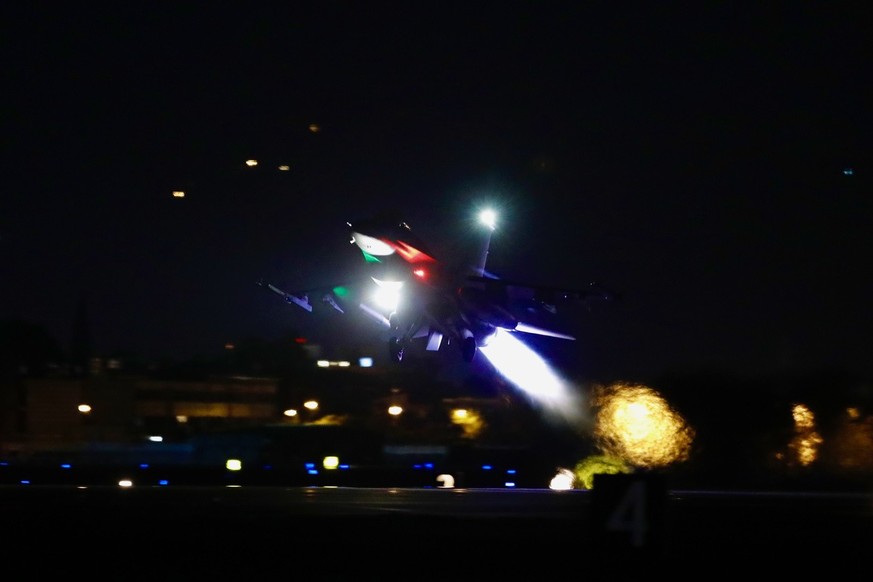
(387, 295)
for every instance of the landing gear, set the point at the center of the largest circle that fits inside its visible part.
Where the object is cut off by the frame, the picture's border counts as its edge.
(394, 321)
(395, 350)
(468, 349)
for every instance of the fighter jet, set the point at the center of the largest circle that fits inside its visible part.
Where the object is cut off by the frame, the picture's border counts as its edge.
(417, 296)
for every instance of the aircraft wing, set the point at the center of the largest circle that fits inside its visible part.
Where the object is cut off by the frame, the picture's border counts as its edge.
(545, 297)
(338, 297)
(301, 298)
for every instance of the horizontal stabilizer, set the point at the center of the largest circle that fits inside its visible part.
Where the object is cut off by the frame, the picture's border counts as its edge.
(545, 296)
(523, 327)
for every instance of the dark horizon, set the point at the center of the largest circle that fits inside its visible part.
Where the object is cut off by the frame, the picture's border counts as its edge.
(710, 163)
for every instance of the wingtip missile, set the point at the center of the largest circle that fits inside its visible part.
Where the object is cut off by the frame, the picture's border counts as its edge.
(301, 300)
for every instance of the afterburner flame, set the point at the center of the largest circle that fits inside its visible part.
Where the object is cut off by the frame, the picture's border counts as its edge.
(533, 374)
(635, 424)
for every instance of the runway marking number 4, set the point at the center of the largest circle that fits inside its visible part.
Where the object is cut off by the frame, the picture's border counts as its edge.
(629, 515)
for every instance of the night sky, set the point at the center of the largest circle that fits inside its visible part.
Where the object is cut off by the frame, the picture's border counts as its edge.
(709, 161)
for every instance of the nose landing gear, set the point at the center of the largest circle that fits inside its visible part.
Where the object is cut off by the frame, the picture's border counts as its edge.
(395, 349)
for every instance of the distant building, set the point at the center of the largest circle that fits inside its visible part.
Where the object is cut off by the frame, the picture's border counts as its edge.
(109, 406)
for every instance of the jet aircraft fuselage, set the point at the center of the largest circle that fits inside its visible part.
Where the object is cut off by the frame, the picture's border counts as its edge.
(433, 300)
(437, 303)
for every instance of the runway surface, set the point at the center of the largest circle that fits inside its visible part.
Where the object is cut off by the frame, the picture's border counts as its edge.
(626, 527)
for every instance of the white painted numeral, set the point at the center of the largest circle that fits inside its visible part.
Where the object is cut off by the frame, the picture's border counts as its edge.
(630, 514)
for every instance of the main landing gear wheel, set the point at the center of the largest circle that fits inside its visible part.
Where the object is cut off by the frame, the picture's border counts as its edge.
(395, 349)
